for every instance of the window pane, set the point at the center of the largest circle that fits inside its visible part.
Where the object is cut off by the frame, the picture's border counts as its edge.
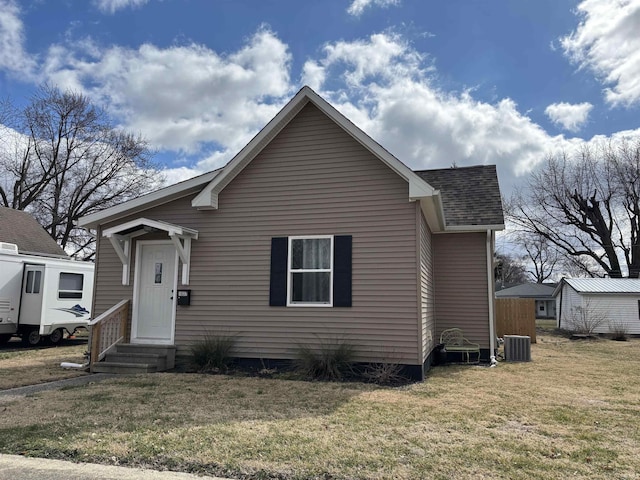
(29, 286)
(70, 285)
(157, 278)
(311, 253)
(311, 287)
(69, 294)
(71, 281)
(36, 282)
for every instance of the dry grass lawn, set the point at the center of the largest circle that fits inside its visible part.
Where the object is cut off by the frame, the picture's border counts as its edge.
(572, 412)
(20, 367)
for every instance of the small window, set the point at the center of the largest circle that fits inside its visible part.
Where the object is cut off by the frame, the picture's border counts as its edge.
(70, 285)
(310, 275)
(33, 281)
(157, 278)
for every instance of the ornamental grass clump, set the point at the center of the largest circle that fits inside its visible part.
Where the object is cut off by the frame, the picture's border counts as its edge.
(619, 331)
(213, 353)
(328, 361)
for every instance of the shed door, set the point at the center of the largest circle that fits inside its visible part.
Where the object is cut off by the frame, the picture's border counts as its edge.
(32, 295)
(154, 314)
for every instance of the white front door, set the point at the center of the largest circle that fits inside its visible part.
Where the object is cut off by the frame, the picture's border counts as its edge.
(154, 305)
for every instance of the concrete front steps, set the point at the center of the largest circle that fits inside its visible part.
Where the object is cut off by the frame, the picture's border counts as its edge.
(137, 358)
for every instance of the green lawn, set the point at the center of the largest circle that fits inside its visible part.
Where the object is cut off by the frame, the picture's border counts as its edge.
(574, 411)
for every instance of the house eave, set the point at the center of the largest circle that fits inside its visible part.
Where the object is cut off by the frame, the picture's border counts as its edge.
(472, 228)
(153, 199)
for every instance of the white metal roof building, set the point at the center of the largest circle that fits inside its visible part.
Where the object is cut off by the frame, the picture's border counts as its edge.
(601, 305)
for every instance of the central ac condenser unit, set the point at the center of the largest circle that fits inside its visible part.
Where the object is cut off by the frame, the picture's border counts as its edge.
(517, 348)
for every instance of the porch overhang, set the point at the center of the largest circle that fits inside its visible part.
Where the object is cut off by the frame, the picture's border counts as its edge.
(121, 235)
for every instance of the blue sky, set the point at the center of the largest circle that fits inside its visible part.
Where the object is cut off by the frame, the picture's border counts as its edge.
(437, 83)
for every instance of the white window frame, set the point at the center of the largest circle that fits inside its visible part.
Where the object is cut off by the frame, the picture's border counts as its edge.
(290, 272)
(75, 292)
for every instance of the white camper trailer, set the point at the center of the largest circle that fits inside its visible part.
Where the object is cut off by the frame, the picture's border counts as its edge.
(42, 297)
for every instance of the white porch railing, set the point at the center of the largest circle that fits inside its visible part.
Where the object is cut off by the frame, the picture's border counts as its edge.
(108, 329)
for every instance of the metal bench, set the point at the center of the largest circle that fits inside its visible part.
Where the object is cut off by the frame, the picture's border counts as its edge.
(454, 341)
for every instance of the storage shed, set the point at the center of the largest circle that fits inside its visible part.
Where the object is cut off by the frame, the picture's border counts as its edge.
(602, 304)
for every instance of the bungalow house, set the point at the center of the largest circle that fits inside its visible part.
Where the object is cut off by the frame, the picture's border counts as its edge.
(542, 293)
(599, 305)
(313, 232)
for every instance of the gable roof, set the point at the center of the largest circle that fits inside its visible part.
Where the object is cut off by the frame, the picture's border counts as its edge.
(602, 285)
(208, 198)
(528, 290)
(466, 202)
(22, 229)
(470, 195)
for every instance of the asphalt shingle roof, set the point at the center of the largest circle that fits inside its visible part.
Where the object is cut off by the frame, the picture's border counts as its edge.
(470, 195)
(22, 229)
(528, 290)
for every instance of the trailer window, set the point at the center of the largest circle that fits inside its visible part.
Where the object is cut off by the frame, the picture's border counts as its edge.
(33, 281)
(70, 285)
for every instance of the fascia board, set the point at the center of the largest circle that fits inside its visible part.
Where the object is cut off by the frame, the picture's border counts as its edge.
(473, 228)
(170, 228)
(556, 291)
(432, 209)
(149, 200)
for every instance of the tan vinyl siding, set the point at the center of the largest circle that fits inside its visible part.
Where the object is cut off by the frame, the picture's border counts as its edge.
(460, 262)
(427, 300)
(108, 288)
(312, 179)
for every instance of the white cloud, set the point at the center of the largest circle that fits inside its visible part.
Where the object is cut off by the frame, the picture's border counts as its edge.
(607, 42)
(195, 103)
(13, 56)
(358, 6)
(112, 6)
(569, 116)
(387, 88)
(182, 97)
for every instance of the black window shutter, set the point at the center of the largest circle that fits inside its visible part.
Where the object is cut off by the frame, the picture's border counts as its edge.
(342, 271)
(278, 287)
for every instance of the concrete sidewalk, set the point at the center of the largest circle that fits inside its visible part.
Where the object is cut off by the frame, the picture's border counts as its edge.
(15, 467)
(55, 385)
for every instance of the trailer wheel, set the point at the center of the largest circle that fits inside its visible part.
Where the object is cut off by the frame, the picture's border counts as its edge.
(32, 338)
(4, 338)
(56, 336)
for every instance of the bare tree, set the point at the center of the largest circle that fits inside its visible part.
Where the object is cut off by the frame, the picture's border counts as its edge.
(65, 160)
(587, 318)
(587, 206)
(509, 270)
(543, 257)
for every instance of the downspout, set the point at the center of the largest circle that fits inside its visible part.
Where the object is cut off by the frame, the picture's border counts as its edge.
(490, 295)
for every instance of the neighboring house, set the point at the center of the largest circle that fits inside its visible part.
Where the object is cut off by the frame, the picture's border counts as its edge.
(600, 304)
(21, 229)
(311, 233)
(542, 293)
